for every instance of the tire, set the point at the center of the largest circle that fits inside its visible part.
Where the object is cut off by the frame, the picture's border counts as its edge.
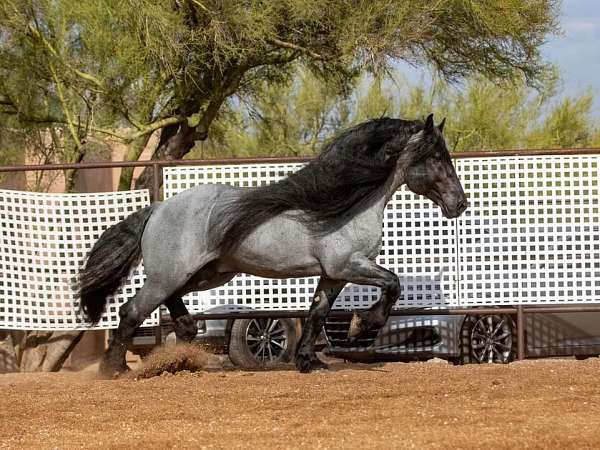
(487, 339)
(262, 343)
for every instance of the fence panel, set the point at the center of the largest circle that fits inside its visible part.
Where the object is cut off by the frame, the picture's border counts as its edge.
(418, 244)
(45, 239)
(531, 234)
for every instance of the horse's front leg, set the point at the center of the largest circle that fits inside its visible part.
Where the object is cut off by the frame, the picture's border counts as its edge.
(365, 271)
(325, 295)
(183, 322)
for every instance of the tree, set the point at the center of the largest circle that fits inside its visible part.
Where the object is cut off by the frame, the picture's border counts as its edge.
(122, 70)
(296, 119)
(125, 69)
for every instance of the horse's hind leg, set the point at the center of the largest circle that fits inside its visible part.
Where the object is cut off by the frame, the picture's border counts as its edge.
(183, 322)
(132, 314)
(206, 278)
(325, 295)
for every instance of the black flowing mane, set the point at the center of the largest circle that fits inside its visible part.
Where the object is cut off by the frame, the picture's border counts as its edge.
(329, 190)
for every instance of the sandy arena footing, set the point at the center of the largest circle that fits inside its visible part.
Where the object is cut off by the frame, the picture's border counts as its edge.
(532, 404)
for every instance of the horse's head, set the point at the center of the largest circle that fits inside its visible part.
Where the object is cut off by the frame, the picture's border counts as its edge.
(428, 170)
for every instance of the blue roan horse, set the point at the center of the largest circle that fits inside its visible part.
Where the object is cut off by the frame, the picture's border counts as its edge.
(325, 220)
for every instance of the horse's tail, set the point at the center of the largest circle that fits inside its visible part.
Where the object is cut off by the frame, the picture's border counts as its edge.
(109, 262)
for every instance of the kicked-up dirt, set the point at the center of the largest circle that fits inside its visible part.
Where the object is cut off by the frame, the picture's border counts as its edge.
(533, 404)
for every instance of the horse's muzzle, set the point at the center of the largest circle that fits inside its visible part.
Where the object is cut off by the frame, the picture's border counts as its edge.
(455, 212)
(461, 207)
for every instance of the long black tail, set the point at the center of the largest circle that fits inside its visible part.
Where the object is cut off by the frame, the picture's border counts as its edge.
(109, 262)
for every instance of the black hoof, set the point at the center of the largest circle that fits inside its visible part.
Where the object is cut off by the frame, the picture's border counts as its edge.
(306, 363)
(110, 369)
(185, 328)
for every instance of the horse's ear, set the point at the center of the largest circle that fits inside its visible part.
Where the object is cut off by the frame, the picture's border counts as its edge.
(441, 125)
(429, 124)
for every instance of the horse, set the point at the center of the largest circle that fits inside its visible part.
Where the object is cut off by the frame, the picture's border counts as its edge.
(324, 220)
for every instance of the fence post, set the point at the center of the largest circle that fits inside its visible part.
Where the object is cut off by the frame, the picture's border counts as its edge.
(520, 333)
(156, 182)
(156, 198)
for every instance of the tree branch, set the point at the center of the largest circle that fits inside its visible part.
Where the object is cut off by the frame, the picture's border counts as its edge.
(292, 46)
(6, 101)
(86, 76)
(173, 120)
(65, 107)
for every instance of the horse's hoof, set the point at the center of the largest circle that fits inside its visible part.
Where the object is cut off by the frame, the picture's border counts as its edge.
(306, 363)
(317, 364)
(185, 328)
(111, 371)
(303, 365)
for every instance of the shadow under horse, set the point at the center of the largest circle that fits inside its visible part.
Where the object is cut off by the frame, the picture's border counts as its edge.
(324, 220)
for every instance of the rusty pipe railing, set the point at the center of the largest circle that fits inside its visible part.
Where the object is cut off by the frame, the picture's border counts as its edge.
(273, 160)
(517, 311)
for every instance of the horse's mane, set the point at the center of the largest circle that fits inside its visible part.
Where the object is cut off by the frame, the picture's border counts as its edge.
(329, 190)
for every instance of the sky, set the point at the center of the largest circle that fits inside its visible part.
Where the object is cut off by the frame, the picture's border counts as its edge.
(576, 51)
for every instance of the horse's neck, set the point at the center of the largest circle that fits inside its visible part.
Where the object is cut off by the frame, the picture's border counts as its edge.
(393, 184)
(384, 195)
(388, 190)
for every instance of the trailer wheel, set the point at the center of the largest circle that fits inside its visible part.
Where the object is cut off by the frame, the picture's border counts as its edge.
(487, 339)
(262, 343)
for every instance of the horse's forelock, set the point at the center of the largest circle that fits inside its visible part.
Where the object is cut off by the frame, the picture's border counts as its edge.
(423, 145)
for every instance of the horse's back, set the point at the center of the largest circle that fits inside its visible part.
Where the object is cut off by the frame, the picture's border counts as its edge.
(178, 235)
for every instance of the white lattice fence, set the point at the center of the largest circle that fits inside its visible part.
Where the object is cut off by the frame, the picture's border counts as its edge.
(45, 239)
(532, 233)
(419, 244)
(531, 236)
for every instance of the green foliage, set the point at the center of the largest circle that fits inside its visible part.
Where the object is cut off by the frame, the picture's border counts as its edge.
(296, 119)
(568, 125)
(122, 69)
(488, 115)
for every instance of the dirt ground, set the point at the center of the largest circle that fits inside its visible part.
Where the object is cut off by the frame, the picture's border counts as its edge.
(533, 404)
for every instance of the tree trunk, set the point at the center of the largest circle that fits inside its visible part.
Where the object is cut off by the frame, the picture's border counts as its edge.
(133, 153)
(175, 142)
(46, 351)
(8, 355)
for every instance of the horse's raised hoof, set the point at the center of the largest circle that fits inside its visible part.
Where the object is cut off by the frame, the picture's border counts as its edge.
(185, 328)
